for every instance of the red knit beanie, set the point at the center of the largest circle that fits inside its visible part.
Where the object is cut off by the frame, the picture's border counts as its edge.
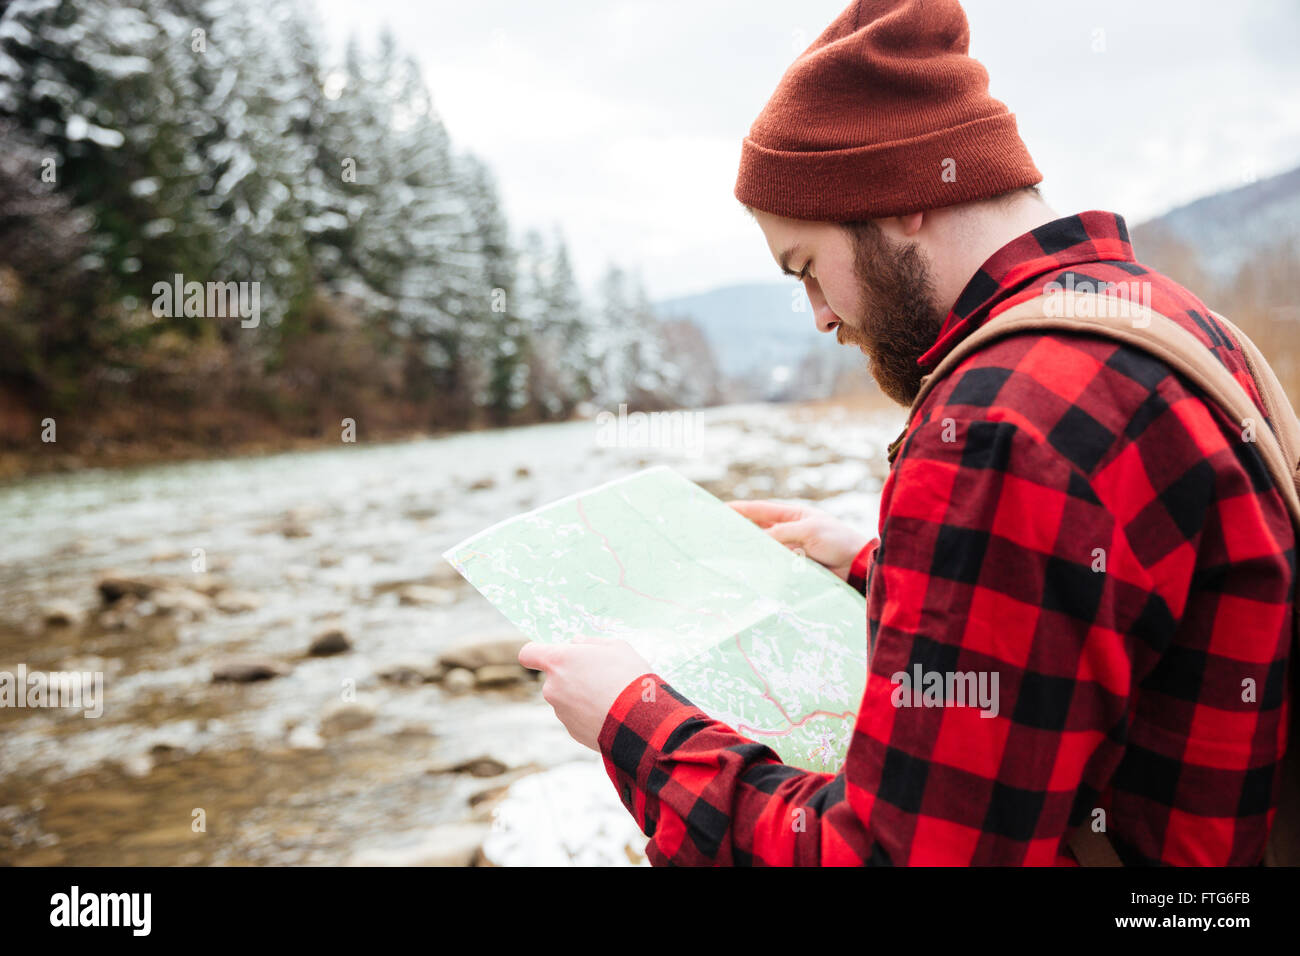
(883, 115)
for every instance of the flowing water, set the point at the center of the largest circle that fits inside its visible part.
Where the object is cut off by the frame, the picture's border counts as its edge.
(179, 769)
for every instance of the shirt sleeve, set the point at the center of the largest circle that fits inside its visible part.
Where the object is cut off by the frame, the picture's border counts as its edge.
(861, 566)
(999, 597)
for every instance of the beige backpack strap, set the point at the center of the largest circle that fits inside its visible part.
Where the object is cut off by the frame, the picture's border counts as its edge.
(1276, 403)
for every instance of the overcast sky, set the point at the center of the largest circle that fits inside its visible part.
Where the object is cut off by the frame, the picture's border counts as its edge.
(620, 121)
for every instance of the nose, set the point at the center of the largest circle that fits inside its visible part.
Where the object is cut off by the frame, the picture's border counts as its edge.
(823, 317)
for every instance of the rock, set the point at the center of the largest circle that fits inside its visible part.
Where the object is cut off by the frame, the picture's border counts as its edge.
(332, 640)
(204, 583)
(121, 615)
(411, 672)
(458, 680)
(453, 844)
(238, 602)
(114, 586)
(346, 716)
(522, 472)
(483, 765)
(472, 656)
(243, 670)
(423, 595)
(413, 731)
(482, 484)
(173, 600)
(303, 737)
(165, 750)
(445, 576)
(490, 796)
(499, 675)
(60, 614)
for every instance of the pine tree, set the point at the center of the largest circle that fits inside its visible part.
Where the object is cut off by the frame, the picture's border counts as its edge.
(497, 333)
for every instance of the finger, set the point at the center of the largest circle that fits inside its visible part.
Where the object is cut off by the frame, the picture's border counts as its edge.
(537, 657)
(792, 534)
(767, 513)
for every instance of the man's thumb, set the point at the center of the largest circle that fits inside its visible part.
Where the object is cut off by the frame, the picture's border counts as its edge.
(534, 656)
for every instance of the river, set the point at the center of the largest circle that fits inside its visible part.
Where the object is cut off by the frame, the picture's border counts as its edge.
(339, 758)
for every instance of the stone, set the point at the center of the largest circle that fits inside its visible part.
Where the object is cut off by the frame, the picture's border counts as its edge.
(174, 600)
(204, 583)
(458, 680)
(484, 765)
(120, 616)
(344, 717)
(411, 672)
(482, 484)
(244, 670)
(238, 602)
(113, 586)
(473, 655)
(490, 796)
(60, 614)
(499, 675)
(453, 844)
(424, 596)
(332, 640)
(445, 576)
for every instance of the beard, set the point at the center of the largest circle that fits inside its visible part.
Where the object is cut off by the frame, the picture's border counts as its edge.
(900, 320)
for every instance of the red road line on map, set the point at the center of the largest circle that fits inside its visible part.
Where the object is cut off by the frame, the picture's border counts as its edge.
(795, 726)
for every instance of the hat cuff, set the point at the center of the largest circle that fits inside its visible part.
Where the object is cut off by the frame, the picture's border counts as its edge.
(973, 161)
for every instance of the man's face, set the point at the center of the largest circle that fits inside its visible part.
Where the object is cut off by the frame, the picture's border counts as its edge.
(872, 291)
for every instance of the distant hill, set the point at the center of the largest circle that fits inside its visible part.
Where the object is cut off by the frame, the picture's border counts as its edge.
(764, 346)
(751, 326)
(1226, 229)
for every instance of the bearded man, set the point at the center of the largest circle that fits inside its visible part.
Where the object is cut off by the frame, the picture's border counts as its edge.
(1063, 512)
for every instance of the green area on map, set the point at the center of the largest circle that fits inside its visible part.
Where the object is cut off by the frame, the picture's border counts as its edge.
(751, 632)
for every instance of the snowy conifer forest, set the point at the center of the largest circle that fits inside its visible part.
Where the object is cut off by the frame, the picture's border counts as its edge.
(158, 151)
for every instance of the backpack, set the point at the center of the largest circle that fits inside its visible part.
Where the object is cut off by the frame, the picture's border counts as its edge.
(1278, 445)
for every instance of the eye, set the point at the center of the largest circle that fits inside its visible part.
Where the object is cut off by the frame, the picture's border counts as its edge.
(803, 273)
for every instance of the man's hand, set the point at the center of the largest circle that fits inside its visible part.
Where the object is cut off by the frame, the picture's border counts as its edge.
(824, 539)
(583, 679)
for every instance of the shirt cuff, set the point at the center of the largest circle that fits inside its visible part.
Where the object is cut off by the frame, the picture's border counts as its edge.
(642, 719)
(861, 566)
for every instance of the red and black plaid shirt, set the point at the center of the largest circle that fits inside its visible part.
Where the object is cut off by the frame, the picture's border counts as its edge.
(1092, 532)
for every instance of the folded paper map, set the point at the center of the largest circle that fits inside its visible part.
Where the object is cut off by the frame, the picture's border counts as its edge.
(754, 634)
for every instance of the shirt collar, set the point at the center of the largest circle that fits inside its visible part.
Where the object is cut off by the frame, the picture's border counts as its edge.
(1092, 236)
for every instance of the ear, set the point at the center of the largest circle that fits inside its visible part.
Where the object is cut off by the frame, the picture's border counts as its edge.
(911, 224)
